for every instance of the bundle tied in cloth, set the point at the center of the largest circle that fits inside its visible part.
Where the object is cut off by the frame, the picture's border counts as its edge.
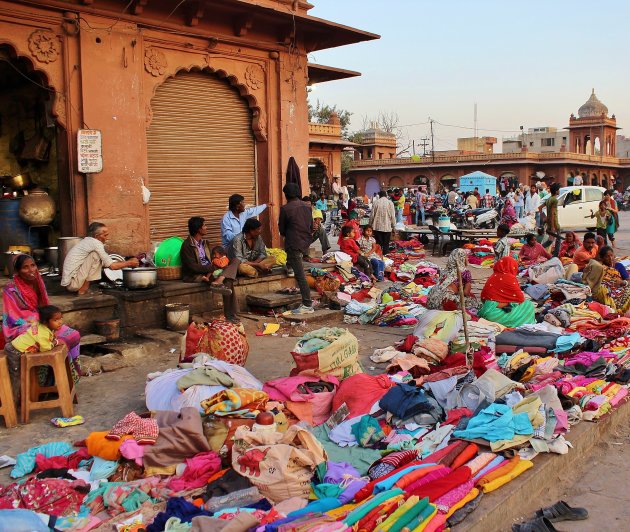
(280, 465)
(327, 351)
(221, 339)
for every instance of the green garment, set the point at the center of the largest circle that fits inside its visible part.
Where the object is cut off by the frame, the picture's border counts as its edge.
(175, 524)
(404, 520)
(359, 513)
(519, 314)
(207, 376)
(367, 431)
(359, 457)
(421, 517)
(328, 491)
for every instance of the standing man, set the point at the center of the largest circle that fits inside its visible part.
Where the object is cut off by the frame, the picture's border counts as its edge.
(477, 195)
(472, 200)
(383, 220)
(296, 226)
(420, 199)
(532, 204)
(337, 190)
(552, 225)
(197, 267)
(233, 220)
(488, 200)
(85, 261)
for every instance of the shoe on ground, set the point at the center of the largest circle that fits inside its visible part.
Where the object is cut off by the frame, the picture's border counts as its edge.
(302, 309)
(561, 511)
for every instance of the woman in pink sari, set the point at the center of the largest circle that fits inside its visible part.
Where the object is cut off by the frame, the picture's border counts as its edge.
(532, 252)
(20, 299)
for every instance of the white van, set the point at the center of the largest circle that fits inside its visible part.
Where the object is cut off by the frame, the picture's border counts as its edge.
(575, 205)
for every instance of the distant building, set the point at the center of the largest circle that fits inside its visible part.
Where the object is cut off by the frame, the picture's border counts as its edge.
(587, 147)
(537, 139)
(623, 146)
(476, 144)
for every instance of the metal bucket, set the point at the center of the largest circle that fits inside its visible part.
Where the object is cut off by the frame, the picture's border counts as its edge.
(177, 316)
(65, 244)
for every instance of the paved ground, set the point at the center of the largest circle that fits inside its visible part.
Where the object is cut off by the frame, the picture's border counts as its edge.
(105, 398)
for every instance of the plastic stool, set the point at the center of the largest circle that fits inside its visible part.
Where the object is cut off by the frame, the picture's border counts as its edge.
(57, 359)
(7, 406)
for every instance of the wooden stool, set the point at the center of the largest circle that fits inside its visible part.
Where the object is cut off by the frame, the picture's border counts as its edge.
(64, 387)
(7, 406)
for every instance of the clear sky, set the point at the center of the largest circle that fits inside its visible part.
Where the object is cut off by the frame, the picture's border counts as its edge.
(527, 63)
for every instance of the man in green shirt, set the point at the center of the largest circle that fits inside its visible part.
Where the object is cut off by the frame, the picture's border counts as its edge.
(552, 225)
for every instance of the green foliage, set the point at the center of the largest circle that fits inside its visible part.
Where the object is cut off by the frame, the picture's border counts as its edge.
(320, 114)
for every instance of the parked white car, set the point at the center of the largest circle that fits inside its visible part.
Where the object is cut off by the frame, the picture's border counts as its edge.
(575, 205)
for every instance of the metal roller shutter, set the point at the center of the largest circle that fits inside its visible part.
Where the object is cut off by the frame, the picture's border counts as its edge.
(200, 151)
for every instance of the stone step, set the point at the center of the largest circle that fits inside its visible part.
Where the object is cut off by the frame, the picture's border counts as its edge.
(324, 314)
(273, 300)
(92, 339)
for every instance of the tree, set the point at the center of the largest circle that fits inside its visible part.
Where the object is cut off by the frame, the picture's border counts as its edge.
(388, 121)
(320, 114)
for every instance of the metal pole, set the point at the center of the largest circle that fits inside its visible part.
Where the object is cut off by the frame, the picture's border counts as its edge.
(462, 302)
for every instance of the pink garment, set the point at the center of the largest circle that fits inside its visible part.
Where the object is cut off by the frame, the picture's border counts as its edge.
(434, 475)
(586, 358)
(132, 451)
(623, 392)
(436, 524)
(562, 421)
(198, 470)
(451, 498)
(479, 462)
(286, 388)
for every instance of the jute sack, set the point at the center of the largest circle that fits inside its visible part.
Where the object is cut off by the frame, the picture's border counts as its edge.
(280, 465)
(340, 359)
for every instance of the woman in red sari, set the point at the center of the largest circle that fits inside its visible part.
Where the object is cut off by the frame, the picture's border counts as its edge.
(20, 299)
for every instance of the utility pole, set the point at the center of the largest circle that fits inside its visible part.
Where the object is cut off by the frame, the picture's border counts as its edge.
(424, 142)
(432, 140)
(413, 143)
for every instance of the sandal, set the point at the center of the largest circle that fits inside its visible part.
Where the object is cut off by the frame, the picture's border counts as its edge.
(538, 524)
(561, 511)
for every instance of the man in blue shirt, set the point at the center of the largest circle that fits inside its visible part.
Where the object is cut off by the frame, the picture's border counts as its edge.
(233, 220)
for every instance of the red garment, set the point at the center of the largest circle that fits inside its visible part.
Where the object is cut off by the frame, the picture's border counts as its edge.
(429, 478)
(502, 286)
(350, 246)
(29, 295)
(373, 388)
(459, 359)
(439, 487)
(52, 496)
(407, 344)
(450, 457)
(57, 462)
(466, 455)
(456, 414)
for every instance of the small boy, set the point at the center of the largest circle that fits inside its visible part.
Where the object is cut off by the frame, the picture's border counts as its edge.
(502, 246)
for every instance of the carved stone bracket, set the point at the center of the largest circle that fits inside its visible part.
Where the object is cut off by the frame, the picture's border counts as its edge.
(154, 62)
(44, 46)
(254, 77)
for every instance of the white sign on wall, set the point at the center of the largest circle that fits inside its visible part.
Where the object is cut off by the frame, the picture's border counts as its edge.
(90, 151)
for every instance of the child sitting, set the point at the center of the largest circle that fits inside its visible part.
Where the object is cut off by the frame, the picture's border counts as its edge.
(369, 247)
(349, 245)
(502, 246)
(220, 260)
(39, 337)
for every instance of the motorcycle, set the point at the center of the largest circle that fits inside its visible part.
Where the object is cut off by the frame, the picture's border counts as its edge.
(482, 218)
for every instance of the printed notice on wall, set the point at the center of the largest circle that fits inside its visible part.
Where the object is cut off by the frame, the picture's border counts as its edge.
(90, 151)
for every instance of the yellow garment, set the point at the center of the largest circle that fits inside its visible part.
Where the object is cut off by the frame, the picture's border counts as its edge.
(424, 523)
(469, 497)
(342, 511)
(401, 202)
(37, 338)
(521, 467)
(317, 214)
(279, 254)
(393, 517)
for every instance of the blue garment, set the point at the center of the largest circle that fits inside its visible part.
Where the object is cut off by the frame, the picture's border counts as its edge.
(232, 226)
(322, 205)
(495, 462)
(622, 271)
(102, 469)
(25, 462)
(497, 422)
(566, 342)
(20, 520)
(176, 507)
(391, 480)
(318, 506)
(379, 268)
(405, 401)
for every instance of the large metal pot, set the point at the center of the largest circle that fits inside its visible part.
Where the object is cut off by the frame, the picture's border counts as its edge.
(139, 278)
(52, 256)
(38, 208)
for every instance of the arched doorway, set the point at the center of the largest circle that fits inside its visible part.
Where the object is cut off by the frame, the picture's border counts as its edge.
(595, 180)
(200, 151)
(31, 143)
(396, 182)
(351, 183)
(422, 181)
(372, 186)
(448, 181)
(317, 176)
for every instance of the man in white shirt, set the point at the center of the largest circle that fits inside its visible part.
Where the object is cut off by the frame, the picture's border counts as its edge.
(532, 201)
(85, 261)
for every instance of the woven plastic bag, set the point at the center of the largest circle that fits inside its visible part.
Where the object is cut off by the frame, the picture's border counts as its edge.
(221, 339)
(340, 358)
